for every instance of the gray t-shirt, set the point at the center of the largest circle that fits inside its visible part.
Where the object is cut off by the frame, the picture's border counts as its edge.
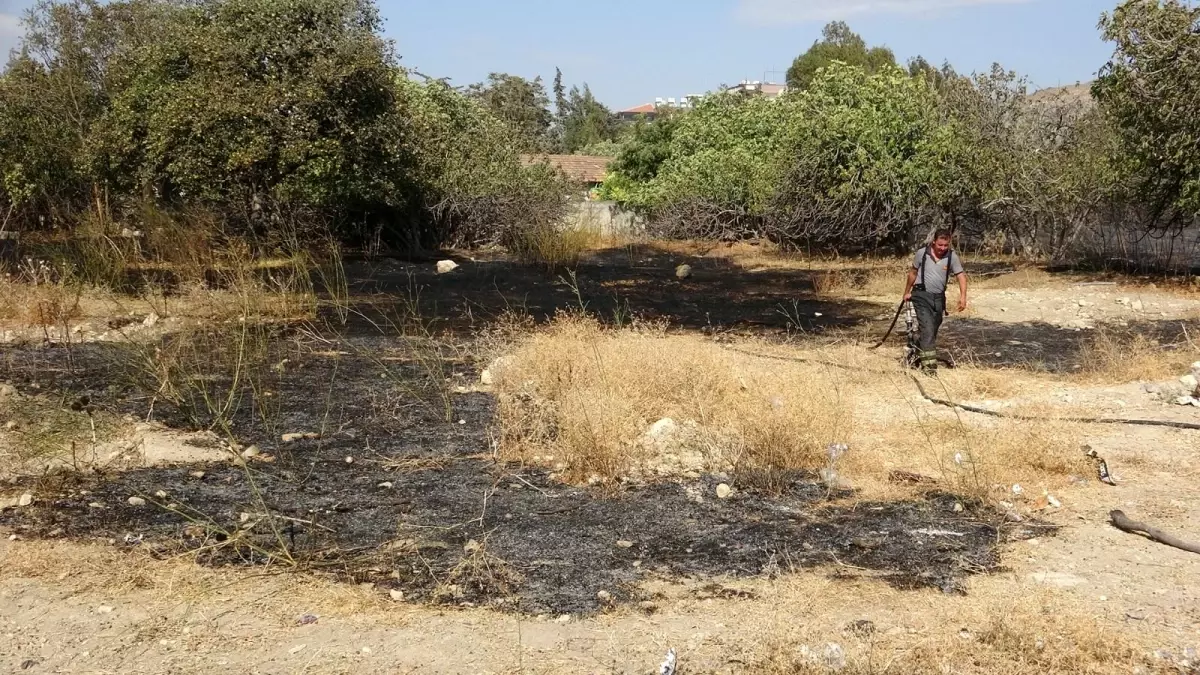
(936, 270)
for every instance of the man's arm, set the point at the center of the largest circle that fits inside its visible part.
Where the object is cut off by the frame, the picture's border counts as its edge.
(912, 281)
(962, 291)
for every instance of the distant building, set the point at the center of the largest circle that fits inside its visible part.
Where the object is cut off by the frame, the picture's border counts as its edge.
(756, 88)
(651, 110)
(588, 171)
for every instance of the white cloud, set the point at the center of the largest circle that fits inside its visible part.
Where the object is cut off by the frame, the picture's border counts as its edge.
(775, 12)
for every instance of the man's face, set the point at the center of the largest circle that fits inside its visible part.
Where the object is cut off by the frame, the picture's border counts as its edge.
(940, 246)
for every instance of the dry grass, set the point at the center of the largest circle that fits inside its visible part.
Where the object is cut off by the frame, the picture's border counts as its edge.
(583, 398)
(586, 397)
(1107, 358)
(1000, 630)
(557, 246)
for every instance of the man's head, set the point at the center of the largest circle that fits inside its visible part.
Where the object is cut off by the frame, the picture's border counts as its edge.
(941, 242)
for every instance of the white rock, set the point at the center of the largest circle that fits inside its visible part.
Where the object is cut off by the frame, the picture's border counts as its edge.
(604, 597)
(137, 501)
(683, 272)
(161, 494)
(624, 543)
(7, 390)
(724, 491)
(149, 321)
(10, 426)
(252, 451)
(104, 609)
(663, 429)
(1190, 382)
(396, 595)
(446, 266)
(1138, 306)
(25, 500)
(486, 378)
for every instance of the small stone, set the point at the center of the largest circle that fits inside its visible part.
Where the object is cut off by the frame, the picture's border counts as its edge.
(95, 505)
(137, 501)
(565, 618)
(662, 429)
(25, 500)
(624, 544)
(724, 491)
(472, 546)
(252, 451)
(10, 426)
(396, 595)
(384, 486)
(7, 390)
(486, 378)
(150, 320)
(604, 597)
(243, 517)
(446, 266)
(198, 475)
(349, 459)
(104, 609)
(1138, 306)
(683, 272)
(12, 537)
(307, 619)
(293, 437)
(958, 507)
(161, 494)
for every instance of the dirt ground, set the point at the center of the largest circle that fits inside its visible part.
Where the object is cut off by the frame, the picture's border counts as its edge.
(157, 547)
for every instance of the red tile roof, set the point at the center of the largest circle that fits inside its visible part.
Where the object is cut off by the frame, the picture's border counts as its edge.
(644, 109)
(582, 168)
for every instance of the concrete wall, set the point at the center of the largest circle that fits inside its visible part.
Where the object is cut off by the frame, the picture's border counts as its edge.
(607, 217)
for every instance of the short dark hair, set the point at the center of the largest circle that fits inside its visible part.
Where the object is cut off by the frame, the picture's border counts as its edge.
(942, 233)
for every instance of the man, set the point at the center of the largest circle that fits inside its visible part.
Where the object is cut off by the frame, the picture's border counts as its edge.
(928, 278)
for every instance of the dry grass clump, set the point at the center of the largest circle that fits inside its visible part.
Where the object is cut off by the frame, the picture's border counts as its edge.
(1108, 358)
(557, 246)
(1023, 278)
(998, 631)
(870, 282)
(587, 397)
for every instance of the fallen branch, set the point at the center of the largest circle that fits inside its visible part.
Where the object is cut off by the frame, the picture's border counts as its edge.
(1123, 523)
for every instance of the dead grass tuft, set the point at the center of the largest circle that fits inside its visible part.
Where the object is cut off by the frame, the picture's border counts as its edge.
(557, 246)
(1108, 358)
(585, 398)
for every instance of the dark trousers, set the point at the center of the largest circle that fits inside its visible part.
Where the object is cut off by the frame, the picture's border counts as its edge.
(930, 309)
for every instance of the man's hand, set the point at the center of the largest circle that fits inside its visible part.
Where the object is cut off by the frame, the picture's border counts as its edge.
(962, 305)
(908, 297)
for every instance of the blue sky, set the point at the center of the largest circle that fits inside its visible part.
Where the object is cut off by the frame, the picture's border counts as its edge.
(631, 51)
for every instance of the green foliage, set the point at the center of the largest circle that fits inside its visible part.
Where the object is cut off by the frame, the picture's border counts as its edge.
(1148, 90)
(837, 44)
(586, 121)
(520, 103)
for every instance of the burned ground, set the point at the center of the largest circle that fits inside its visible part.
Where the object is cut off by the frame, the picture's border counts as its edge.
(394, 494)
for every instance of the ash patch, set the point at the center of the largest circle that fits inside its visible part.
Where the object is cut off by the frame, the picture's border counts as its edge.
(421, 507)
(472, 531)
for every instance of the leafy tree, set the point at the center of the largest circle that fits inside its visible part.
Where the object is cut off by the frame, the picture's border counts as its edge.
(1144, 90)
(522, 104)
(838, 43)
(587, 121)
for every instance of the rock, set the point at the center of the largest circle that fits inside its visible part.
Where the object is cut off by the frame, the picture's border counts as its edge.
(161, 494)
(624, 544)
(446, 266)
(724, 491)
(25, 500)
(307, 620)
(663, 429)
(137, 501)
(349, 459)
(1190, 382)
(293, 437)
(565, 618)
(683, 272)
(604, 597)
(10, 425)
(7, 390)
(486, 378)
(104, 609)
(384, 486)
(472, 547)
(252, 451)
(198, 475)
(396, 595)
(151, 320)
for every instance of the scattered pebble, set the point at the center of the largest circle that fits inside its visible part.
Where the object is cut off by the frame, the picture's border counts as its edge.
(25, 500)
(104, 609)
(137, 501)
(624, 544)
(349, 459)
(683, 272)
(198, 475)
(307, 619)
(161, 494)
(604, 597)
(396, 595)
(384, 486)
(252, 451)
(724, 491)
(446, 266)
